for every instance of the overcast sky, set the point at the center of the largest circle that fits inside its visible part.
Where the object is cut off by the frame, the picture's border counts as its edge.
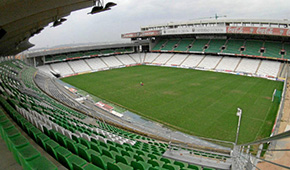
(129, 15)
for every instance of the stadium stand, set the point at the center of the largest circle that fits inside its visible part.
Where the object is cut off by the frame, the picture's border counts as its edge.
(210, 62)
(272, 49)
(63, 68)
(233, 46)
(269, 68)
(79, 66)
(162, 58)
(183, 44)
(192, 60)
(160, 44)
(111, 61)
(55, 58)
(177, 59)
(91, 53)
(96, 63)
(74, 55)
(107, 51)
(215, 46)
(287, 49)
(150, 57)
(253, 47)
(169, 46)
(64, 134)
(46, 69)
(126, 59)
(198, 45)
(228, 63)
(248, 65)
(138, 57)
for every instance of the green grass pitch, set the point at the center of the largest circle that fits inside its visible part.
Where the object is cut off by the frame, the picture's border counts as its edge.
(196, 102)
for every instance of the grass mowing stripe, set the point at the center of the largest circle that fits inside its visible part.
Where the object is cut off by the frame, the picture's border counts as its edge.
(196, 102)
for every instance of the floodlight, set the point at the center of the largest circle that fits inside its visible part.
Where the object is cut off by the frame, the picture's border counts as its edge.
(58, 22)
(96, 9)
(100, 8)
(110, 4)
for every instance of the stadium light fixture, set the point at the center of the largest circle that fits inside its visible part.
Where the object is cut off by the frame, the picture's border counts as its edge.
(58, 22)
(239, 113)
(100, 7)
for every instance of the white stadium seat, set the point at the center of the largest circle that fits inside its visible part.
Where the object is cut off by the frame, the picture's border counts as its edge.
(248, 65)
(210, 62)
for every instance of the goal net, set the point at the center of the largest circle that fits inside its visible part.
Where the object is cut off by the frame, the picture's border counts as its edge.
(276, 97)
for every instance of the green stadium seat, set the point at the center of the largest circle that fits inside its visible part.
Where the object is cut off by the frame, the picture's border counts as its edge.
(206, 168)
(195, 167)
(118, 166)
(87, 166)
(68, 161)
(156, 163)
(101, 161)
(33, 132)
(171, 167)
(85, 142)
(166, 160)
(72, 146)
(83, 153)
(140, 165)
(16, 143)
(51, 146)
(95, 147)
(39, 163)
(61, 139)
(27, 153)
(180, 164)
(41, 139)
(156, 168)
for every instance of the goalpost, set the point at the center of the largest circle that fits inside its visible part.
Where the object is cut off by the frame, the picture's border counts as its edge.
(273, 95)
(276, 95)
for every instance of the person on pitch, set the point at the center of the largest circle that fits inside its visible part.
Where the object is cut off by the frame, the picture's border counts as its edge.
(141, 83)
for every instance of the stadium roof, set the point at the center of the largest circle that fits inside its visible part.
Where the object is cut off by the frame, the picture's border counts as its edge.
(223, 22)
(22, 19)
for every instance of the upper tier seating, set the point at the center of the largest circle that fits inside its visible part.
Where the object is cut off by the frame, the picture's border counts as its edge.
(272, 49)
(215, 46)
(183, 44)
(248, 65)
(210, 62)
(63, 68)
(287, 49)
(159, 45)
(79, 66)
(91, 53)
(198, 45)
(233, 46)
(170, 45)
(253, 47)
(228, 63)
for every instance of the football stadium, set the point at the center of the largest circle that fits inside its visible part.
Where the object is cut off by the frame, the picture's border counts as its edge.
(204, 94)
